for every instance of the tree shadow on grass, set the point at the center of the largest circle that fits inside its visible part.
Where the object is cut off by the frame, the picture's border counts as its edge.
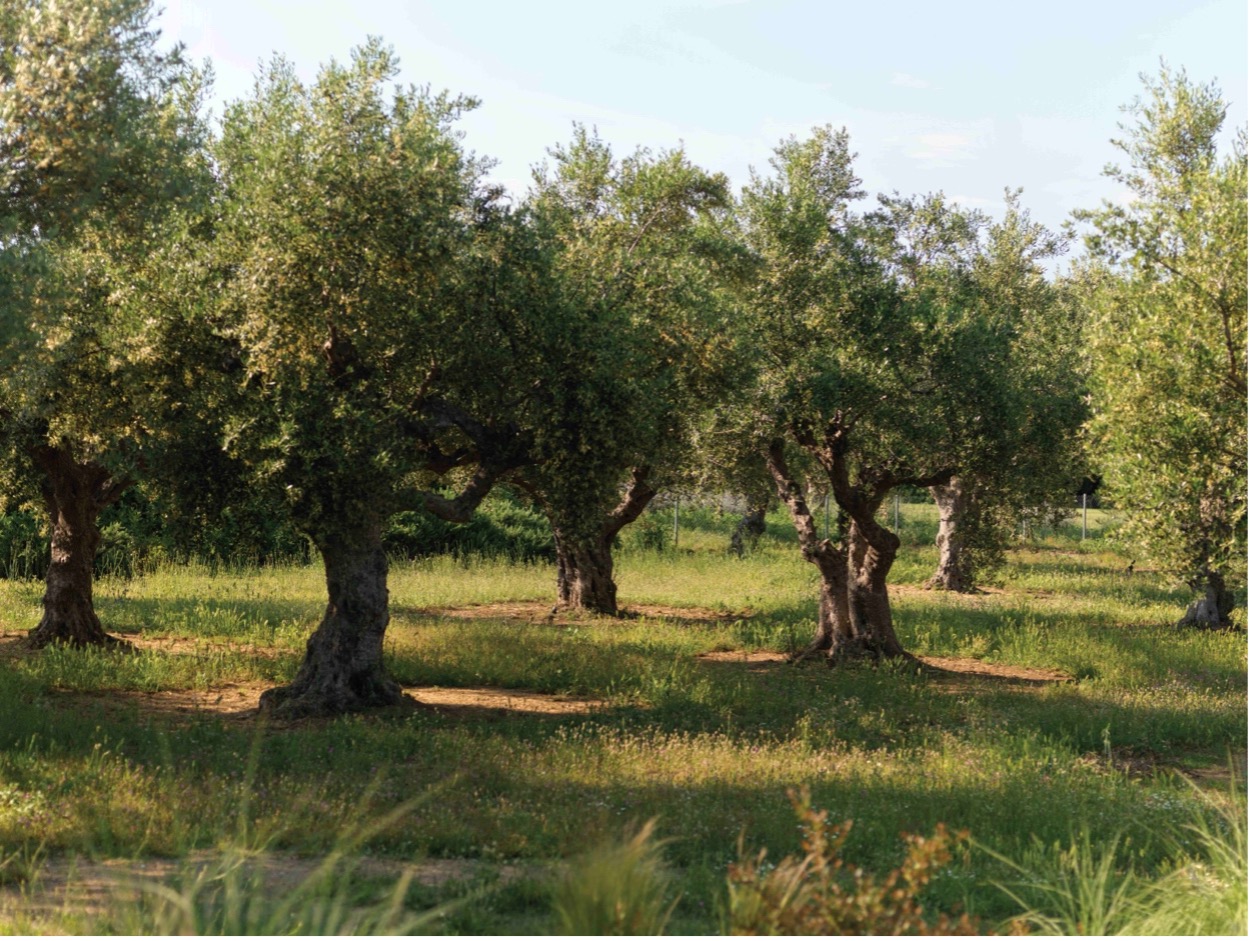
(546, 613)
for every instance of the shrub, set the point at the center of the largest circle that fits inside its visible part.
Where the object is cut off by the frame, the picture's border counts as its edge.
(821, 893)
(502, 528)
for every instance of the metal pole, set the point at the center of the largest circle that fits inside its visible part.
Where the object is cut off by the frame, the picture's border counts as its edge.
(1084, 516)
(675, 522)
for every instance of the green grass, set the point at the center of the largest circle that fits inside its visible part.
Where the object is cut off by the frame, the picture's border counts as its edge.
(89, 768)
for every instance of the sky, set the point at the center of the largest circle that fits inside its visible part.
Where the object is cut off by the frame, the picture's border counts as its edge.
(957, 96)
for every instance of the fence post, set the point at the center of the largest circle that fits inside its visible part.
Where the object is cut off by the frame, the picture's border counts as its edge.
(1084, 517)
(675, 522)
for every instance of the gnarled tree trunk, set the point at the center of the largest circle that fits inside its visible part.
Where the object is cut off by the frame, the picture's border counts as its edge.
(872, 553)
(954, 572)
(835, 636)
(584, 561)
(74, 494)
(1212, 612)
(584, 572)
(343, 662)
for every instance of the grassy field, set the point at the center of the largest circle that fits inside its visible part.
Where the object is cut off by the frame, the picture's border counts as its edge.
(151, 763)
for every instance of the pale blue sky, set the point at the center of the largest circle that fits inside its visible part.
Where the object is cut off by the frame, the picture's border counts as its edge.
(959, 96)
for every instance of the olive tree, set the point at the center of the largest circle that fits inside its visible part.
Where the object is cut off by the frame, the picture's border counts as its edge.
(1042, 409)
(875, 363)
(101, 158)
(636, 247)
(1168, 337)
(366, 270)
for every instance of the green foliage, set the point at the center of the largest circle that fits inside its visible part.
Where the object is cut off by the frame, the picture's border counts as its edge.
(501, 528)
(1208, 894)
(620, 888)
(23, 546)
(349, 225)
(820, 893)
(638, 251)
(1168, 334)
(928, 329)
(100, 147)
(1080, 892)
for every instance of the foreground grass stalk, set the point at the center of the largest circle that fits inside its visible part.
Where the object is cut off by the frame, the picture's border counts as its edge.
(619, 888)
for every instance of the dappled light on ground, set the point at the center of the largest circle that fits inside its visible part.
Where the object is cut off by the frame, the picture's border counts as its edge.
(544, 612)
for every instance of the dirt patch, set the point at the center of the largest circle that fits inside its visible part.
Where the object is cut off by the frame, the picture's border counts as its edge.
(968, 666)
(240, 701)
(544, 612)
(86, 888)
(1218, 779)
(504, 700)
(233, 701)
(945, 669)
(742, 656)
(13, 645)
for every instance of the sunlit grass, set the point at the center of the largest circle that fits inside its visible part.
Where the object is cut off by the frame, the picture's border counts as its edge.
(707, 748)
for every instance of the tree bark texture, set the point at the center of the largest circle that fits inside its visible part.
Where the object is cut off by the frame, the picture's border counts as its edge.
(954, 572)
(343, 662)
(870, 548)
(1212, 612)
(870, 557)
(74, 494)
(584, 561)
(835, 636)
(584, 573)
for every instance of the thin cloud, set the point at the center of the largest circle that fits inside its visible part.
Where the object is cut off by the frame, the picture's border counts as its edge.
(944, 146)
(905, 80)
(976, 202)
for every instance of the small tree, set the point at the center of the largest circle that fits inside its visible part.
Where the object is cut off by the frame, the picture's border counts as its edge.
(1168, 338)
(635, 246)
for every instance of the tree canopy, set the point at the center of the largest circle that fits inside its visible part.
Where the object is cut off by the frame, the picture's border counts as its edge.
(354, 235)
(101, 156)
(636, 245)
(1168, 338)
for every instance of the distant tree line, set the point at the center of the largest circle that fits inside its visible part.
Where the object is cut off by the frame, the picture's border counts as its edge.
(319, 317)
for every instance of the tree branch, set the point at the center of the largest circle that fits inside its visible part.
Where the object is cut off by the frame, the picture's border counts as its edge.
(460, 508)
(639, 493)
(792, 494)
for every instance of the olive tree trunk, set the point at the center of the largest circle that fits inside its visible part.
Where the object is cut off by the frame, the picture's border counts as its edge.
(835, 635)
(584, 559)
(74, 494)
(870, 557)
(750, 529)
(955, 572)
(584, 573)
(343, 662)
(1212, 612)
